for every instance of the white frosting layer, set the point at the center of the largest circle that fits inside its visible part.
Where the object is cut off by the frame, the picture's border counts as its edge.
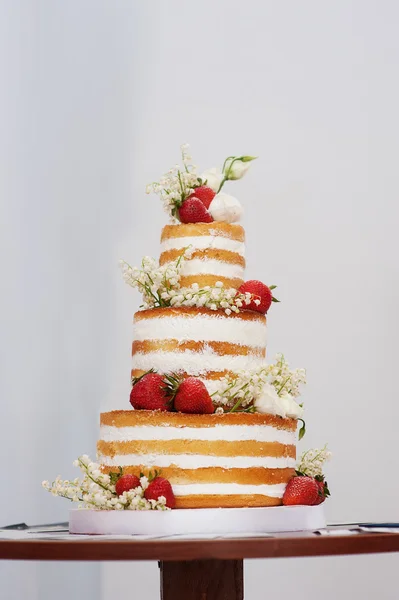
(207, 328)
(195, 461)
(275, 491)
(227, 433)
(197, 266)
(204, 242)
(194, 363)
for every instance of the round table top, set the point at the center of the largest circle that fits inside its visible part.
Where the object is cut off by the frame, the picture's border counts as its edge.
(282, 545)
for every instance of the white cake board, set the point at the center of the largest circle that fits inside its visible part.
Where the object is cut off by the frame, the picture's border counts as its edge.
(198, 521)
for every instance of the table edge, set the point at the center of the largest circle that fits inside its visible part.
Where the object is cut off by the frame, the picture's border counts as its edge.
(187, 550)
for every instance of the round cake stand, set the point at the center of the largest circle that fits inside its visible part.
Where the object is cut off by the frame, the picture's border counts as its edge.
(223, 521)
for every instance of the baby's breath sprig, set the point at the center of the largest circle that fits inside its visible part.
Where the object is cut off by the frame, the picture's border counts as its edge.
(155, 282)
(286, 380)
(312, 461)
(97, 490)
(177, 184)
(215, 297)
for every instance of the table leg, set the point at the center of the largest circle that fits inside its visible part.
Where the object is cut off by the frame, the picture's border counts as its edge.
(202, 580)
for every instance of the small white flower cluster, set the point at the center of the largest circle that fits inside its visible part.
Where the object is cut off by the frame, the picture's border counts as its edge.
(96, 491)
(312, 461)
(242, 391)
(285, 380)
(160, 286)
(176, 185)
(215, 297)
(155, 283)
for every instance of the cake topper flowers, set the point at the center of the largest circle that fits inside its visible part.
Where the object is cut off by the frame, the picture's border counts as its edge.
(190, 198)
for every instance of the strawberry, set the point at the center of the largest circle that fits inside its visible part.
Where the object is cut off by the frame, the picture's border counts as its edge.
(193, 397)
(205, 194)
(149, 392)
(193, 211)
(301, 490)
(324, 492)
(160, 487)
(261, 295)
(126, 482)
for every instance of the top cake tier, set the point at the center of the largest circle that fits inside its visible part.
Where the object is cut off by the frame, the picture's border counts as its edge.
(218, 252)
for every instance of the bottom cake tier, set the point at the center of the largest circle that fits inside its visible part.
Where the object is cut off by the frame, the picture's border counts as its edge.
(212, 461)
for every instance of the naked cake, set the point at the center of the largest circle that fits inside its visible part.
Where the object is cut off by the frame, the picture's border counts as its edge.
(211, 422)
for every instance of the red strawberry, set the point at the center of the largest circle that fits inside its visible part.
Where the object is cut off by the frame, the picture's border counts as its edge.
(301, 490)
(205, 194)
(259, 292)
(193, 397)
(160, 487)
(193, 211)
(125, 483)
(324, 492)
(149, 393)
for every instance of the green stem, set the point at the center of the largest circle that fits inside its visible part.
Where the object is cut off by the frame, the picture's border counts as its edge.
(237, 404)
(181, 186)
(225, 391)
(284, 384)
(222, 184)
(224, 164)
(226, 176)
(104, 487)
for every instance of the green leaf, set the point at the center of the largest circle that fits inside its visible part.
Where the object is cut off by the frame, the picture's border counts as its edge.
(302, 430)
(136, 379)
(114, 477)
(272, 287)
(153, 475)
(275, 299)
(299, 473)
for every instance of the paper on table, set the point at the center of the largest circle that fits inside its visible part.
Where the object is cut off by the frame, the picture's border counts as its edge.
(56, 535)
(374, 529)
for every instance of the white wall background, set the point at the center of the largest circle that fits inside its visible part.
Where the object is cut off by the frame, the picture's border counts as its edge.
(96, 98)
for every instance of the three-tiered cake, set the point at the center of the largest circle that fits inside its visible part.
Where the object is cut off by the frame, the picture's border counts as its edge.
(201, 320)
(211, 424)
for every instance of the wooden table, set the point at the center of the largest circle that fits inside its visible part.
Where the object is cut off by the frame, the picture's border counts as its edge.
(200, 569)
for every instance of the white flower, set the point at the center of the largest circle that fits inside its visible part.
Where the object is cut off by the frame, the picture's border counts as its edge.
(235, 167)
(144, 482)
(268, 402)
(290, 408)
(225, 208)
(271, 403)
(213, 177)
(312, 461)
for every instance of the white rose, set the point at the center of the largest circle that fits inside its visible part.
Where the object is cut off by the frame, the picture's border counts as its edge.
(213, 178)
(290, 407)
(272, 404)
(225, 208)
(235, 167)
(268, 402)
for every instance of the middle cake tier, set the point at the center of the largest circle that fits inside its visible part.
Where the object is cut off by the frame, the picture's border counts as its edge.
(218, 252)
(197, 341)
